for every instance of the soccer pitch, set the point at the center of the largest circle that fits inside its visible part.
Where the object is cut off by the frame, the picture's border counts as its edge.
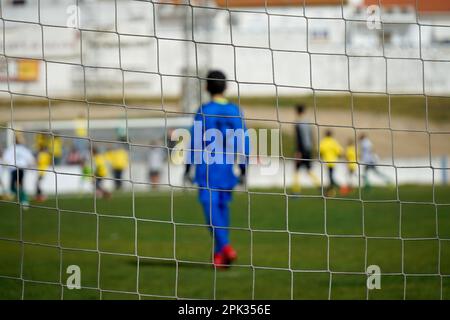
(154, 245)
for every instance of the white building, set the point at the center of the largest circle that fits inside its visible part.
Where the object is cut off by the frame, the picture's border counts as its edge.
(143, 49)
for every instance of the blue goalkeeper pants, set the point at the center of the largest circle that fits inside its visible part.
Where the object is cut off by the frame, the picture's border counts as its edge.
(217, 215)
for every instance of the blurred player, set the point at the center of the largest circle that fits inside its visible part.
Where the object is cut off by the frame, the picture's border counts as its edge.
(81, 132)
(330, 151)
(20, 157)
(156, 159)
(86, 176)
(55, 147)
(304, 152)
(352, 166)
(74, 157)
(100, 173)
(369, 159)
(40, 141)
(217, 179)
(118, 158)
(44, 160)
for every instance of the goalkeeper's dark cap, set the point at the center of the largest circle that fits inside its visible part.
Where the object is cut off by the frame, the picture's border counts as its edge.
(216, 82)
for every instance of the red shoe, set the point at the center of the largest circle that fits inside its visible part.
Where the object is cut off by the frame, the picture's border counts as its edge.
(40, 198)
(345, 190)
(219, 260)
(229, 253)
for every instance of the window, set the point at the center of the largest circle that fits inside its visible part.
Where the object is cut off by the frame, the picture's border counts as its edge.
(319, 34)
(18, 2)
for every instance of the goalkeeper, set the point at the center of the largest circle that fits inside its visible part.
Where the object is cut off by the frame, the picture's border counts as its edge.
(213, 166)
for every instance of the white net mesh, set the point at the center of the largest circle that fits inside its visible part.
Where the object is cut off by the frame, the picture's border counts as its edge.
(93, 85)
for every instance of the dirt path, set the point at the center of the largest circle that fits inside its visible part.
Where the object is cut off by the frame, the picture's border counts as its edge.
(399, 136)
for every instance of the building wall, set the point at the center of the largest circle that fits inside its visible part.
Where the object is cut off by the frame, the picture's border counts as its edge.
(297, 49)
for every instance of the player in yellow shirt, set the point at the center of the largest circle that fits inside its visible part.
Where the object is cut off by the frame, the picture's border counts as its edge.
(118, 158)
(40, 141)
(352, 165)
(100, 172)
(81, 129)
(80, 143)
(55, 147)
(44, 160)
(330, 152)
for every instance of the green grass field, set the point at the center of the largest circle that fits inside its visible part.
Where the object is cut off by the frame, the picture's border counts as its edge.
(286, 246)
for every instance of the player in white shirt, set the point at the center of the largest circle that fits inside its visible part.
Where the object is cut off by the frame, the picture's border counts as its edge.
(369, 159)
(18, 157)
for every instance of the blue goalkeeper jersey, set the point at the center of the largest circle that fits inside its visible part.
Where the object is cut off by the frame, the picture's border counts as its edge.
(219, 140)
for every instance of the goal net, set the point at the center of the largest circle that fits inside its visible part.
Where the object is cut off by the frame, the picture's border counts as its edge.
(346, 193)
